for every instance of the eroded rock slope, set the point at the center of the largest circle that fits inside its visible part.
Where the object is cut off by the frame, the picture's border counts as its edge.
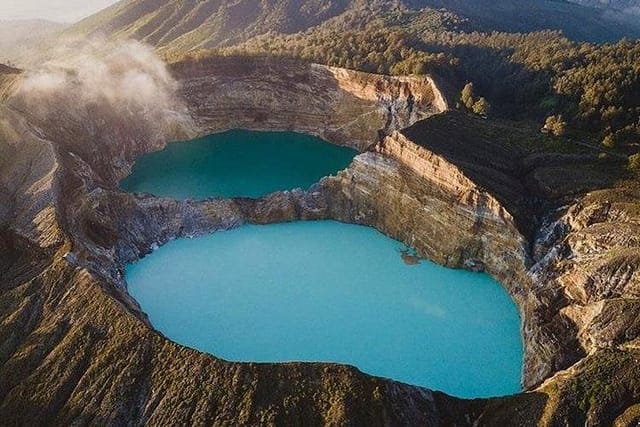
(76, 349)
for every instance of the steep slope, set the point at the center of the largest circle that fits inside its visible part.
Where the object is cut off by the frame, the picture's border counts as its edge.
(196, 24)
(191, 25)
(577, 22)
(75, 348)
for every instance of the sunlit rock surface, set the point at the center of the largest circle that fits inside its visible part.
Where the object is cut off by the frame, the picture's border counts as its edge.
(76, 348)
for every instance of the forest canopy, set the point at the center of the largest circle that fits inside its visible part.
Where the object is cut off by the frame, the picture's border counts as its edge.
(595, 88)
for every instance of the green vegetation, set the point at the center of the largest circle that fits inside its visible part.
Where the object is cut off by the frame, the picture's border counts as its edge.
(607, 380)
(609, 141)
(555, 125)
(377, 50)
(481, 107)
(634, 162)
(478, 106)
(181, 26)
(516, 74)
(372, 40)
(480, 135)
(593, 89)
(521, 75)
(596, 88)
(466, 97)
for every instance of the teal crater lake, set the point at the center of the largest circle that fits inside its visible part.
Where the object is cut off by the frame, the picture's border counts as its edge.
(237, 163)
(331, 292)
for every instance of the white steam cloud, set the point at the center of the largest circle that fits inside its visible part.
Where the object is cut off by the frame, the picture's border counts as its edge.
(121, 80)
(121, 73)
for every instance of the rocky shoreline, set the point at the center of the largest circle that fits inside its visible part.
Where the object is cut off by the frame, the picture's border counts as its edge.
(76, 348)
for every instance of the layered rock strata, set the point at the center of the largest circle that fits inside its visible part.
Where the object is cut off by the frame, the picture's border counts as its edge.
(342, 106)
(76, 349)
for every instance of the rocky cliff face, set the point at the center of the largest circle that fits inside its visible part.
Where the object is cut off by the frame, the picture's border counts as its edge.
(75, 348)
(342, 106)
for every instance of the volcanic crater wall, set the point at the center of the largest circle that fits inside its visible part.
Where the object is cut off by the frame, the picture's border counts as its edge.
(77, 349)
(342, 106)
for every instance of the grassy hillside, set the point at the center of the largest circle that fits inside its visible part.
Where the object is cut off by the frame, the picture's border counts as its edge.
(195, 24)
(575, 21)
(594, 88)
(517, 73)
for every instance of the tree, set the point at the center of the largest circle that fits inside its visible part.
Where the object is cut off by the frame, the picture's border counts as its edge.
(634, 162)
(481, 107)
(466, 97)
(609, 141)
(555, 125)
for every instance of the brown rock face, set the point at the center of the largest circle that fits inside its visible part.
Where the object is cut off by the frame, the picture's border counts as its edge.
(342, 106)
(76, 349)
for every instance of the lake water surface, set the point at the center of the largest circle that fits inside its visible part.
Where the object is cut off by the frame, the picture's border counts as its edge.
(315, 291)
(326, 291)
(237, 163)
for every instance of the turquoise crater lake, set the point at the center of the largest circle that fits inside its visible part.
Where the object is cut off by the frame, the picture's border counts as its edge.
(332, 292)
(237, 163)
